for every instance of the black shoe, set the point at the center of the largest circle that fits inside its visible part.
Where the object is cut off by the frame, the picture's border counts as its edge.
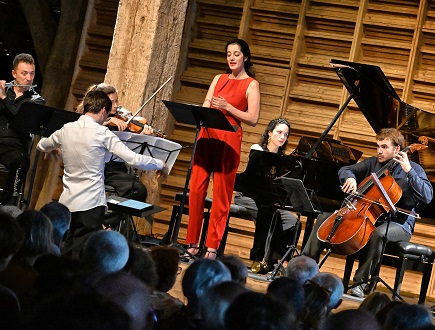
(357, 291)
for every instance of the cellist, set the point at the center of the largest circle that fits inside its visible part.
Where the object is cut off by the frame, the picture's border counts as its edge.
(415, 186)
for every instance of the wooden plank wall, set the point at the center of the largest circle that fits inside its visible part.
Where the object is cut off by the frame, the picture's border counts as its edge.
(292, 43)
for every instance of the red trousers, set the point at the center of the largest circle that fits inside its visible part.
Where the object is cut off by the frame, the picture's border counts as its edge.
(217, 152)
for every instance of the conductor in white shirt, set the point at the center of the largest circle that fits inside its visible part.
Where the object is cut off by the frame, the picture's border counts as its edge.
(82, 145)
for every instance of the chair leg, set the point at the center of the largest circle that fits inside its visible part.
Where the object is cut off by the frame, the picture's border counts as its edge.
(400, 272)
(174, 215)
(425, 282)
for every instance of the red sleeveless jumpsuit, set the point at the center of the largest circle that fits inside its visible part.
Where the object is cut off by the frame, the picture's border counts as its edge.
(217, 152)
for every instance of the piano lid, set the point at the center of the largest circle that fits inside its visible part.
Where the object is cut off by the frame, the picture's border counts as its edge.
(371, 91)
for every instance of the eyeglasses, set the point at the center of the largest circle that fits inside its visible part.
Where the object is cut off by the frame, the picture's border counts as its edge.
(180, 270)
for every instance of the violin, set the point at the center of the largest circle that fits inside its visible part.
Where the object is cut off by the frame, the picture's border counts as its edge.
(349, 229)
(135, 124)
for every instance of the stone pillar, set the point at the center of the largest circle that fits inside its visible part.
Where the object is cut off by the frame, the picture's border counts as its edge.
(144, 54)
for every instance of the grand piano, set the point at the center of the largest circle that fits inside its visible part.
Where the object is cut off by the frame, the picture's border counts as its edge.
(316, 161)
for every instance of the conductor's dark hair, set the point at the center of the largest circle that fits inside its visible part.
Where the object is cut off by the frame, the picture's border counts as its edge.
(94, 101)
(244, 48)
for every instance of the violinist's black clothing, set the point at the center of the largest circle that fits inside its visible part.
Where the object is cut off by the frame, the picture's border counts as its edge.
(415, 187)
(116, 175)
(14, 148)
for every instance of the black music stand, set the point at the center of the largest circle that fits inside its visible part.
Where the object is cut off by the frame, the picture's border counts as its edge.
(40, 120)
(302, 204)
(152, 146)
(200, 117)
(374, 280)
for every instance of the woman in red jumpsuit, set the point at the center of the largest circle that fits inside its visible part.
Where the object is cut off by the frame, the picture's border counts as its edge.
(237, 95)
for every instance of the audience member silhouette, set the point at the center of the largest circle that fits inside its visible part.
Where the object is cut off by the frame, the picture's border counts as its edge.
(334, 284)
(238, 269)
(382, 314)
(253, 310)
(374, 302)
(316, 305)
(351, 319)
(131, 295)
(80, 310)
(215, 301)
(105, 251)
(60, 218)
(11, 238)
(200, 275)
(20, 275)
(408, 317)
(289, 292)
(301, 269)
(141, 264)
(166, 262)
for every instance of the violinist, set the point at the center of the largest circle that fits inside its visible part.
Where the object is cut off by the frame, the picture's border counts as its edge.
(14, 149)
(416, 188)
(116, 173)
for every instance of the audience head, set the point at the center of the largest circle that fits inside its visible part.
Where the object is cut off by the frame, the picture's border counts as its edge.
(301, 269)
(60, 218)
(38, 233)
(80, 310)
(289, 292)
(351, 319)
(131, 295)
(141, 264)
(238, 269)
(408, 317)
(166, 263)
(215, 301)
(105, 251)
(334, 284)
(316, 304)
(11, 238)
(382, 314)
(374, 302)
(253, 310)
(200, 275)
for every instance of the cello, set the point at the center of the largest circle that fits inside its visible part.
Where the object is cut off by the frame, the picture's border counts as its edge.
(349, 229)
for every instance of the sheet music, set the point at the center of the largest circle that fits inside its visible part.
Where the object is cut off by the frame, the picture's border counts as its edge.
(157, 147)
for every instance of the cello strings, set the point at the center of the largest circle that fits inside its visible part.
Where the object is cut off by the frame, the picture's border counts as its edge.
(365, 198)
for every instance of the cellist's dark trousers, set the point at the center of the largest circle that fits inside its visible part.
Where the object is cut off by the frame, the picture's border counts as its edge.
(314, 247)
(369, 256)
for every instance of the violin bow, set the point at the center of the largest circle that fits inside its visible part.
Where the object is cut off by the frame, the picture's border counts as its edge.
(150, 98)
